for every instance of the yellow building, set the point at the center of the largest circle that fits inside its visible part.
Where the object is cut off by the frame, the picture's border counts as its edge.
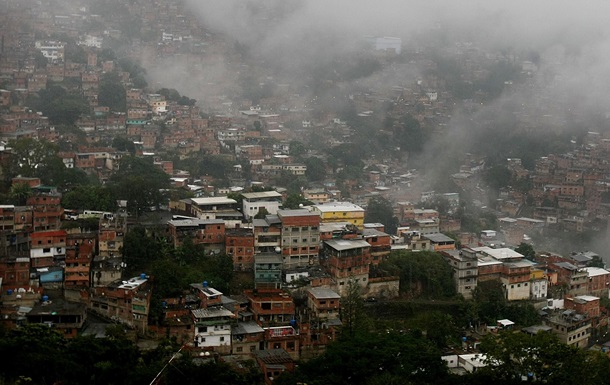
(340, 212)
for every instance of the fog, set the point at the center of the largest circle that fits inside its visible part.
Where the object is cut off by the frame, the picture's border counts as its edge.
(284, 39)
(571, 39)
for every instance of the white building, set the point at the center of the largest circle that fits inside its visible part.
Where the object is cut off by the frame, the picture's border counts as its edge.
(253, 202)
(465, 363)
(212, 327)
(52, 50)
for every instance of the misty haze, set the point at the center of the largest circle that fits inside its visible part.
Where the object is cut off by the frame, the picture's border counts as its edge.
(291, 192)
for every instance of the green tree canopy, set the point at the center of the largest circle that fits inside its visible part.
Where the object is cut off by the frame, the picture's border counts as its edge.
(295, 201)
(60, 106)
(526, 250)
(112, 93)
(379, 210)
(422, 274)
(139, 182)
(90, 197)
(316, 169)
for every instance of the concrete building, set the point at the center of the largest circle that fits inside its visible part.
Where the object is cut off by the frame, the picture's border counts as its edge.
(465, 271)
(300, 240)
(340, 212)
(254, 202)
(345, 260)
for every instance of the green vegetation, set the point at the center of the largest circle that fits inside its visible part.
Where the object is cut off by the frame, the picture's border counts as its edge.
(139, 182)
(89, 197)
(379, 210)
(59, 105)
(37, 354)
(422, 274)
(112, 93)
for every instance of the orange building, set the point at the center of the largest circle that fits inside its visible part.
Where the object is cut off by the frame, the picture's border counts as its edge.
(239, 244)
(271, 306)
(80, 250)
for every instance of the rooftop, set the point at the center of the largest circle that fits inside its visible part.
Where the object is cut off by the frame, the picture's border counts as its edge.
(211, 312)
(596, 271)
(321, 292)
(338, 206)
(213, 201)
(250, 327)
(262, 194)
(500, 254)
(438, 237)
(194, 222)
(343, 244)
(295, 213)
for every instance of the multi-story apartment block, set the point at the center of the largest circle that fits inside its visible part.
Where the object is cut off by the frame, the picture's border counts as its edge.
(571, 327)
(271, 307)
(283, 337)
(267, 234)
(247, 337)
(210, 233)
(239, 245)
(47, 211)
(465, 271)
(516, 280)
(323, 303)
(48, 248)
(345, 260)
(300, 238)
(381, 244)
(80, 251)
(125, 301)
(267, 271)
(212, 321)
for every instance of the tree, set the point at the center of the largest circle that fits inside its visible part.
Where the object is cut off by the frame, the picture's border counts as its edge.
(597, 261)
(526, 250)
(29, 155)
(372, 357)
(20, 192)
(379, 210)
(491, 300)
(352, 308)
(295, 201)
(60, 106)
(262, 213)
(422, 274)
(123, 144)
(39, 60)
(316, 169)
(497, 177)
(409, 134)
(140, 250)
(139, 182)
(542, 357)
(112, 93)
(297, 148)
(90, 197)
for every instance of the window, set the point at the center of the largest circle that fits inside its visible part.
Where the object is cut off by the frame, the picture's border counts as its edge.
(239, 349)
(252, 348)
(222, 339)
